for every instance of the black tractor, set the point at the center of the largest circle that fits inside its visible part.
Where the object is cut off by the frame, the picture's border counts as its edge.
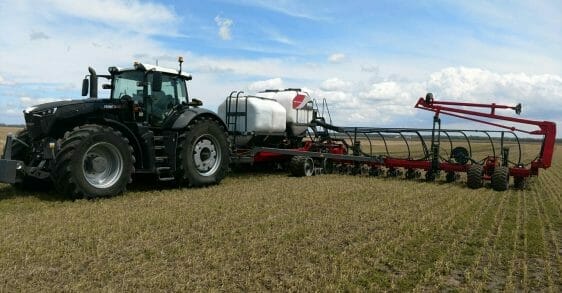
(93, 147)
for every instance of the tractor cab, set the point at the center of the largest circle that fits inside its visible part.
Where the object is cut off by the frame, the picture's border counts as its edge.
(153, 92)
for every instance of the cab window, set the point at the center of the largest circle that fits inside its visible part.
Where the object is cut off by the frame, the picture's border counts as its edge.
(129, 83)
(173, 93)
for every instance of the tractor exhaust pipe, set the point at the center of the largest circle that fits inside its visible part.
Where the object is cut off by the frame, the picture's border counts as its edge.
(93, 83)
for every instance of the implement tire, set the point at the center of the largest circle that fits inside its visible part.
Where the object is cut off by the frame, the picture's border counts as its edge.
(203, 153)
(93, 161)
(301, 166)
(520, 182)
(500, 178)
(474, 178)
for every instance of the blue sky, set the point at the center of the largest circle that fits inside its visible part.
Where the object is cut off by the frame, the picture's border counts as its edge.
(371, 60)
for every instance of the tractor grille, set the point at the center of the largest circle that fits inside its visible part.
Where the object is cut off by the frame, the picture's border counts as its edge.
(38, 126)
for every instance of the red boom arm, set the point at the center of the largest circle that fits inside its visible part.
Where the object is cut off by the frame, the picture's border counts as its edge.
(546, 128)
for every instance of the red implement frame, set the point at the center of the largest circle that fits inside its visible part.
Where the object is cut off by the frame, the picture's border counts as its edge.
(545, 128)
(329, 148)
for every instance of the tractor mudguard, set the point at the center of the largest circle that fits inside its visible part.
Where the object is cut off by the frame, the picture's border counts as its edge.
(187, 116)
(133, 139)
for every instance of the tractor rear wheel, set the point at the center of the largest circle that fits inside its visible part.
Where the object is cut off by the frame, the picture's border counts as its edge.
(474, 174)
(203, 153)
(301, 166)
(500, 178)
(93, 161)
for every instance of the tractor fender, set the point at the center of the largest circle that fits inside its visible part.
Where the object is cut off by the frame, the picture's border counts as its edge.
(187, 116)
(126, 131)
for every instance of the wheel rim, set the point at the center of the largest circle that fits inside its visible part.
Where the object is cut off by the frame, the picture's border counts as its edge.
(102, 165)
(206, 155)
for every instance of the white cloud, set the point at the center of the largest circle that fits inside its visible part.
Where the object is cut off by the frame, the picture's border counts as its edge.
(103, 33)
(336, 58)
(274, 83)
(11, 112)
(387, 90)
(542, 91)
(374, 104)
(132, 15)
(224, 25)
(4, 81)
(370, 68)
(335, 84)
(37, 35)
(276, 36)
(390, 102)
(289, 8)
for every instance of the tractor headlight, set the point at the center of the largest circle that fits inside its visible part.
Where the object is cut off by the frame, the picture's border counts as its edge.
(45, 112)
(30, 109)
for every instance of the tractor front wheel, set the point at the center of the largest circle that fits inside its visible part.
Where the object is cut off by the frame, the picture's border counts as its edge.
(93, 161)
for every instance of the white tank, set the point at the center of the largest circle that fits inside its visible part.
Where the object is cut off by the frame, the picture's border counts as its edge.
(264, 116)
(298, 106)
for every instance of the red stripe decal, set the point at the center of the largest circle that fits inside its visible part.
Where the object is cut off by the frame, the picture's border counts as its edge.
(298, 101)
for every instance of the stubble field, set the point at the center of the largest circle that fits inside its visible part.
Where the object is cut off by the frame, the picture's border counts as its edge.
(258, 232)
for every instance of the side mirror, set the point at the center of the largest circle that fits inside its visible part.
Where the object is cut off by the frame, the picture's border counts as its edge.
(106, 86)
(85, 85)
(156, 81)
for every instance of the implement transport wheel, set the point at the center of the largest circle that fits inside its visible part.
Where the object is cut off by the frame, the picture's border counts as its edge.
(392, 172)
(412, 174)
(203, 153)
(431, 175)
(500, 178)
(301, 166)
(519, 182)
(451, 177)
(21, 152)
(375, 171)
(93, 161)
(474, 175)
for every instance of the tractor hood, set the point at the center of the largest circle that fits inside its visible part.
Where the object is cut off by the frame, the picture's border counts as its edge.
(42, 120)
(52, 106)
